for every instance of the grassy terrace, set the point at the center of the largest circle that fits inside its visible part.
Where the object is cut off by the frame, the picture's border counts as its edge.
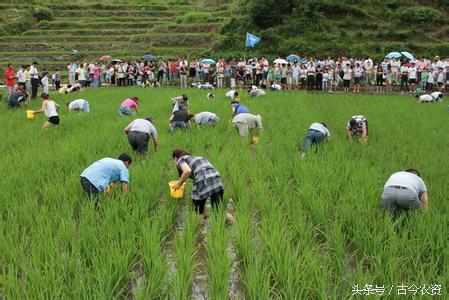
(123, 30)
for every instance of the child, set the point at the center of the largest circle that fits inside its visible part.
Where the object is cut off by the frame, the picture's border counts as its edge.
(325, 79)
(44, 82)
(430, 81)
(50, 109)
(424, 76)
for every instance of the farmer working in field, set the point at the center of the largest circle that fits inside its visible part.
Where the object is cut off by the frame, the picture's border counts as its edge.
(405, 190)
(180, 102)
(97, 177)
(139, 133)
(357, 125)
(205, 118)
(246, 122)
(316, 134)
(127, 105)
(78, 105)
(50, 109)
(18, 97)
(206, 179)
(180, 119)
(257, 92)
(238, 108)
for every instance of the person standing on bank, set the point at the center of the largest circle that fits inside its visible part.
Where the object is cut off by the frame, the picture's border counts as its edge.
(358, 125)
(34, 74)
(206, 179)
(405, 190)
(316, 134)
(139, 133)
(97, 177)
(50, 109)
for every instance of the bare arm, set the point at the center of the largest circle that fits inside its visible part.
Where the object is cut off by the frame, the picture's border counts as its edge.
(125, 188)
(364, 133)
(155, 144)
(349, 134)
(42, 108)
(127, 128)
(186, 171)
(424, 198)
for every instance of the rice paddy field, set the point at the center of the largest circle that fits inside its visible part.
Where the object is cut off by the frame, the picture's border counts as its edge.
(311, 229)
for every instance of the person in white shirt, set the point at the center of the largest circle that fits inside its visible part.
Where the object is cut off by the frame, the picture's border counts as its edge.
(276, 87)
(295, 75)
(256, 92)
(358, 72)
(316, 134)
(44, 82)
(412, 77)
(437, 96)
(34, 75)
(357, 125)
(424, 98)
(230, 94)
(368, 64)
(139, 133)
(205, 118)
(50, 109)
(405, 190)
(78, 104)
(21, 77)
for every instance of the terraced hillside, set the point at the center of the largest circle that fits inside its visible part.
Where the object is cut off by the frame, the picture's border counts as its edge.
(125, 31)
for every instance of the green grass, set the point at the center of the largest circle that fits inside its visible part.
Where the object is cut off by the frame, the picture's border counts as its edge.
(304, 229)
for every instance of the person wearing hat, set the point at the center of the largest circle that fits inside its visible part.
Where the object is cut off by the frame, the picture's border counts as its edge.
(405, 190)
(180, 102)
(357, 125)
(139, 133)
(78, 105)
(412, 77)
(127, 106)
(96, 178)
(316, 134)
(34, 75)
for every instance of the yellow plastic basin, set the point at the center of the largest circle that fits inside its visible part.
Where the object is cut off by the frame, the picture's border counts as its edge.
(179, 193)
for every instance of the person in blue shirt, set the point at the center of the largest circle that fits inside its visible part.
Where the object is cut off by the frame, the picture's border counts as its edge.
(97, 177)
(238, 108)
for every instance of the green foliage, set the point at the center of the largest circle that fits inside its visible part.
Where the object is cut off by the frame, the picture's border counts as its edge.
(421, 14)
(267, 13)
(196, 17)
(43, 13)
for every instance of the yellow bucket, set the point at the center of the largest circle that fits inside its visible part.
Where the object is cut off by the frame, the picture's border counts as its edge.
(30, 114)
(176, 193)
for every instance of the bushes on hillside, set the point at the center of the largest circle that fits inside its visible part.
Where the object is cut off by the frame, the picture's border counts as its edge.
(421, 15)
(43, 13)
(196, 17)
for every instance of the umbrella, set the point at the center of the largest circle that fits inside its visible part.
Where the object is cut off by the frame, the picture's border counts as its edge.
(293, 57)
(393, 55)
(149, 57)
(208, 61)
(105, 57)
(280, 61)
(116, 61)
(408, 55)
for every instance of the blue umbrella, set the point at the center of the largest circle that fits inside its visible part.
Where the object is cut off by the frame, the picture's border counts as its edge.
(293, 57)
(149, 57)
(393, 55)
(208, 61)
(408, 55)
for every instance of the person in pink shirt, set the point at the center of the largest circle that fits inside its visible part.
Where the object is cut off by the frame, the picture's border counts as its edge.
(127, 106)
(9, 79)
(96, 76)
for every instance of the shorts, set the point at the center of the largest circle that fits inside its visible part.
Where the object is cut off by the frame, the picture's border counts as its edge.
(357, 80)
(284, 80)
(53, 120)
(346, 83)
(413, 80)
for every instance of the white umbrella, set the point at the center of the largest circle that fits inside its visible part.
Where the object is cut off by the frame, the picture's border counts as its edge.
(280, 61)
